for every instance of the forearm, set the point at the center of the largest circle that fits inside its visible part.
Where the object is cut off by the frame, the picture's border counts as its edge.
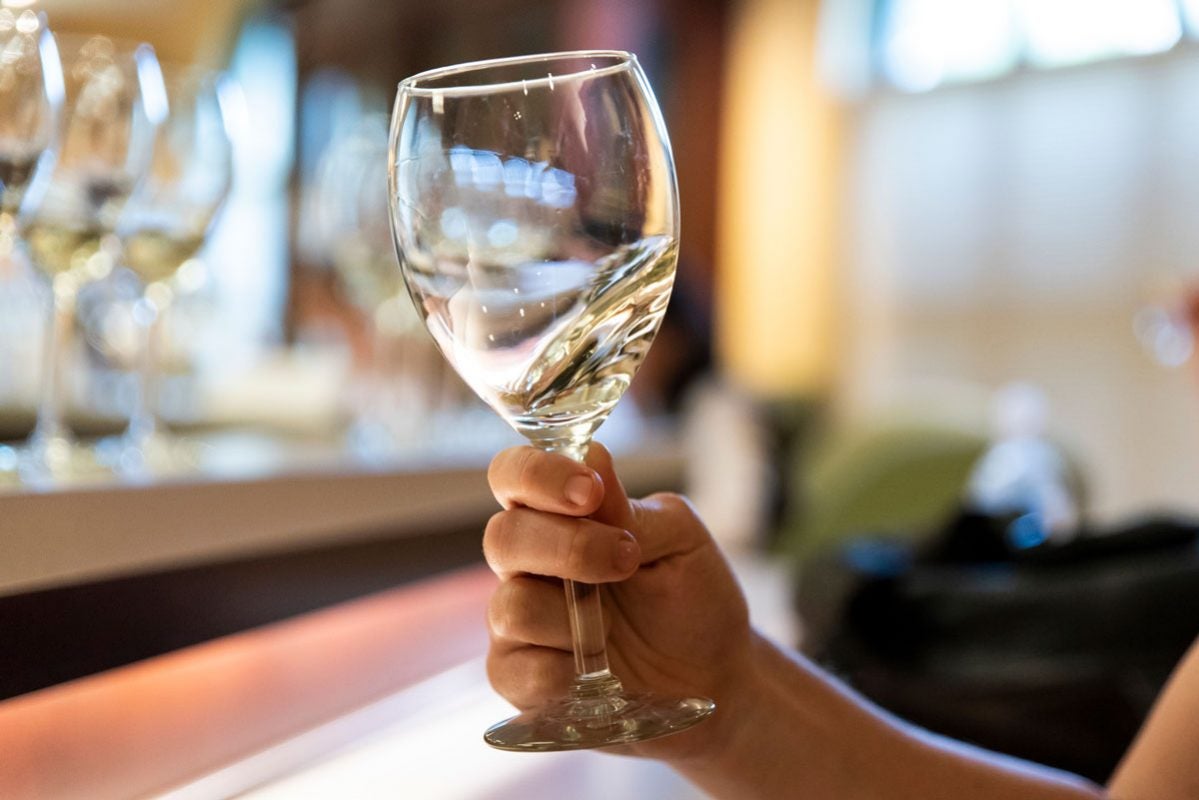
(1161, 763)
(791, 731)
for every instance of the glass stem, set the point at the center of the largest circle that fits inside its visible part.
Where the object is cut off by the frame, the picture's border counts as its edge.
(143, 418)
(587, 631)
(56, 350)
(8, 238)
(592, 675)
(385, 390)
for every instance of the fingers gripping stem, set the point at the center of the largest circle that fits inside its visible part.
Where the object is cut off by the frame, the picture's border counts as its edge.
(583, 599)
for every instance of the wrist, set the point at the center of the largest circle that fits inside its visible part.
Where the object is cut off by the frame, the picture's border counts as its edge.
(785, 726)
(743, 703)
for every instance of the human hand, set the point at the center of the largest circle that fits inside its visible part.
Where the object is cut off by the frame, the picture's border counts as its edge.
(676, 619)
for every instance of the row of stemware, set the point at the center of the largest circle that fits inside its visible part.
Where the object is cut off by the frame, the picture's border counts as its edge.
(109, 158)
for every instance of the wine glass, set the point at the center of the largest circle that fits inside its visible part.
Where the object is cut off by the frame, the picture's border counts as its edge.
(350, 212)
(407, 385)
(1162, 323)
(162, 226)
(31, 94)
(114, 100)
(535, 215)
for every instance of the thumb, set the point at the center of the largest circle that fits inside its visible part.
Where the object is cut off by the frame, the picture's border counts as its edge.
(615, 508)
(664, 524)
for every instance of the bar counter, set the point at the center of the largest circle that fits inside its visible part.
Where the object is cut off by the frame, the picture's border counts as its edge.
(156, 634)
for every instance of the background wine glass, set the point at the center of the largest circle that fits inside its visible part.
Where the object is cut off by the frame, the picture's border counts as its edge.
(162, 226)
(396, 391)
(114, 98)
(1163, 324)
(31, 94)
(535, 214)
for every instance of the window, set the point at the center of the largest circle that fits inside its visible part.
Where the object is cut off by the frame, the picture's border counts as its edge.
(1190, 10)
(926, 43)
(923, 44)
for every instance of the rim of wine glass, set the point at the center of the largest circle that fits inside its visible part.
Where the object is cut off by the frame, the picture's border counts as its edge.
(75, 39)
(174, 72)
(410, 85)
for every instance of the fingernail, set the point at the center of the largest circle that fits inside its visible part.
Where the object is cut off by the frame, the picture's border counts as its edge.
(628, 555)
(578, 489)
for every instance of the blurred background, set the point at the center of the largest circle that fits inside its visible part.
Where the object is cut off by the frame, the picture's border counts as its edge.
(929, 358)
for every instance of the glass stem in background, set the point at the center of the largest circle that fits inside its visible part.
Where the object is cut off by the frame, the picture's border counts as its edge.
(56, 351)
(8, 239)
(143, 418)
(385, 397)
(378, 369)
(592, 675)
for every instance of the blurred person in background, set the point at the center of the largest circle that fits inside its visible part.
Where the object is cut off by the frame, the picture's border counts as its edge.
(783, 727)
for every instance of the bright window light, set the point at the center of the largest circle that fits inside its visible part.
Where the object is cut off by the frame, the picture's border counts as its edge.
(1062, 32)
(1190, 8)
(930, 42)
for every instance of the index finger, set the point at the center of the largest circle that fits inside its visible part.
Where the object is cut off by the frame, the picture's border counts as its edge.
(526, 476)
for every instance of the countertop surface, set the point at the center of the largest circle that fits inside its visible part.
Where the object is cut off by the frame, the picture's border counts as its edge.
(262, 495)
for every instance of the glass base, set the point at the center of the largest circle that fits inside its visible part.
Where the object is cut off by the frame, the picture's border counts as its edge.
(147, 457)
(58, 462)
(587, 719)
(10, 460)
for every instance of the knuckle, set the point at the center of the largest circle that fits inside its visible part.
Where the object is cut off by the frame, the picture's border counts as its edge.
(491, 532)
(526, 469)
(524, 676)
(507, 473)
(497, 537)
(499, 467)
(676, 505)
(499, 615)
(494, 470)
(500, 674)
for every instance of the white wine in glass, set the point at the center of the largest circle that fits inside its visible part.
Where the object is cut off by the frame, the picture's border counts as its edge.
(113, 102)
(31, 94)
(156, 254)
(535, 215)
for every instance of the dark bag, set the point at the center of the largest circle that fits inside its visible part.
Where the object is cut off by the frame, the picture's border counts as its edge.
(1052, 653)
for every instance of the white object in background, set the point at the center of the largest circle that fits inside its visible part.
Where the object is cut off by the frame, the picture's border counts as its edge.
(1022, 472)
(296, 390)
(728, 472)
